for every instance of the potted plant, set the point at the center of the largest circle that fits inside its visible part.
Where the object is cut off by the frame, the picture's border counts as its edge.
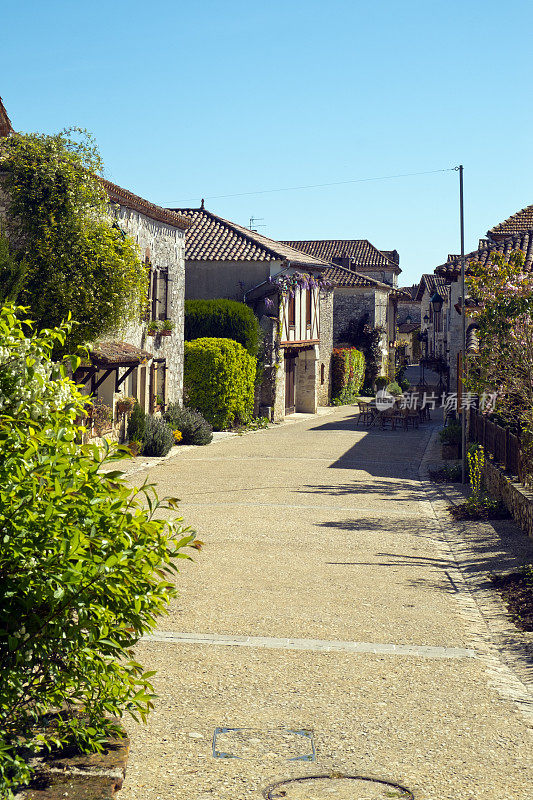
(167, 326)
(101, 416)
(450, 437)
(125, 405)
(159, 403)
(152, 328)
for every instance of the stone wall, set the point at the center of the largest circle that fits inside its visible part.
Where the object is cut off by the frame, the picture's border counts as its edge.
(323, 372)
(517, 498)
(349, 303)
(408, 309)
(165, 247)
(208, 280)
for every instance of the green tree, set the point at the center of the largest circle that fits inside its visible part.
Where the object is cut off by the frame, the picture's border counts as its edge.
(86, 563)
(12, 271)
(78, 260)
(503, 290)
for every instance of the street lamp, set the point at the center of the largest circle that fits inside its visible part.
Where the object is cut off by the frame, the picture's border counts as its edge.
(426, 319)
(437, 302)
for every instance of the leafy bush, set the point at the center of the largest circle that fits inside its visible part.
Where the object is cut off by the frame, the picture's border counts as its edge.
(219, 381)
(402, 381)
(85, 565)
(347, 374)
(137, 424)
(226, 319)
(359, 333)
(451, 434)
(193, 427)
(158, 437)
(72, 257)
(394, 389)
(381, 382)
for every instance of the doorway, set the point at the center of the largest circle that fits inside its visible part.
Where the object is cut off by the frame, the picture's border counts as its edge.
(290, 369)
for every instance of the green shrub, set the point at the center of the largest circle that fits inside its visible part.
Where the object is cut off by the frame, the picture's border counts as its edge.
(86, 564)
(137, 424)
(402, 381)
(219, 381)
(381, 383)
(194, 428)
(158, 437)
(347, 374)
(222, 319)
(394, 389)
(451, 434)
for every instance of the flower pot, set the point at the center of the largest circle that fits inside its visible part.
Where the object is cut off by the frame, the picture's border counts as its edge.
(151, 333)
(450, 451)
(166, 333)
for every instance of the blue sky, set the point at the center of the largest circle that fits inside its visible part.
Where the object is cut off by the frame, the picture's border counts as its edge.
(191, 100)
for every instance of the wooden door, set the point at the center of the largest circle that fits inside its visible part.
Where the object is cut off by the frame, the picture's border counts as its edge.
(290, 365)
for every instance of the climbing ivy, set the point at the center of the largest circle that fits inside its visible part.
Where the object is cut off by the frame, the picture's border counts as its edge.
(76, 259)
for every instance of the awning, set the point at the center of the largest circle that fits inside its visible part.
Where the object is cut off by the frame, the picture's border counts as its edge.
(118, 354)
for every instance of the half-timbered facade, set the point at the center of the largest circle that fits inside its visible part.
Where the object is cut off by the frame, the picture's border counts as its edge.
(225, 260)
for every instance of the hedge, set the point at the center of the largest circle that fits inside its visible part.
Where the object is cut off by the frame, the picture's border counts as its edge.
(219, 381)
(347, 373)
(226, 319)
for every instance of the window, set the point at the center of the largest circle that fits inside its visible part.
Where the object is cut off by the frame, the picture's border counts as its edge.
(308, 296)
(322, 373)
(292, 311)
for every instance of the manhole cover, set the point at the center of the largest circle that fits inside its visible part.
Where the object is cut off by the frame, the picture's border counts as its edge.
(341, 787)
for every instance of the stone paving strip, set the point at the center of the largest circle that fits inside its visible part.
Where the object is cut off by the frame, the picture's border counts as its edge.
(316, 645)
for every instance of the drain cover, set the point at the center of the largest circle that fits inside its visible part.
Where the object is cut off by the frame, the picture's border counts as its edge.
(340, 787)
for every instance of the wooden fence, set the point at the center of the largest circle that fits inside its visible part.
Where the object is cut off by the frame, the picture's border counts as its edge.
(501, 444)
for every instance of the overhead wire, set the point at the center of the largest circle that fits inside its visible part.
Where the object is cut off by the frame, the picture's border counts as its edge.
(313, 186)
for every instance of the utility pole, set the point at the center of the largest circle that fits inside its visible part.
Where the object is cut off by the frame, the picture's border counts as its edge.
(463, 310)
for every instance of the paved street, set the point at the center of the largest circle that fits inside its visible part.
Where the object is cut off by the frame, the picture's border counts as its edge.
(327, 618)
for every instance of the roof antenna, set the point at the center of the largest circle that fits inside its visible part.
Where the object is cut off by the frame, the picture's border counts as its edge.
(253, 224)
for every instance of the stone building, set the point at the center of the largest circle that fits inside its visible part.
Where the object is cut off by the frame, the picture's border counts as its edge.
(226, 260)
(435, 325)
(371, 293)
(358, 255)
(130, 362)
(133, 361)
(409, 306)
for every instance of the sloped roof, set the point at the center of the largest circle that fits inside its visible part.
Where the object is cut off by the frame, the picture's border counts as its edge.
(126, 198)
(431, 283)
(5, 123)
(517, 223)
(408, 327)
(118, 354)
(339, 276)
(410, 291)
(361, 252)
(212, 238)
(451, 269)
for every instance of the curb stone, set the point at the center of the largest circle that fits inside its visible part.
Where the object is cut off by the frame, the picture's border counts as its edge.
(507, 653)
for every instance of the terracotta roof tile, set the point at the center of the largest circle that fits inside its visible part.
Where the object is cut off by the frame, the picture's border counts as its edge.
(431, 283)
(126, 198)
(451, 269)
(361, 252)
(339, 276)
(517, 223)
(212, 238)
(5, 122)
